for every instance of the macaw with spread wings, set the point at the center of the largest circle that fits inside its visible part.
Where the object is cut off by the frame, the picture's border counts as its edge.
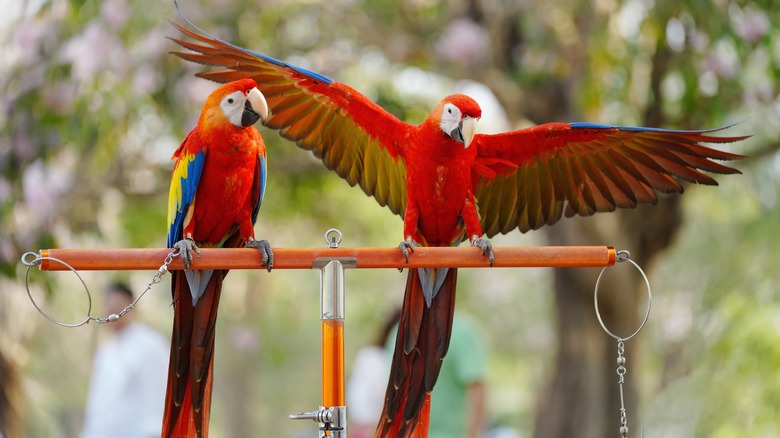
(451, 184)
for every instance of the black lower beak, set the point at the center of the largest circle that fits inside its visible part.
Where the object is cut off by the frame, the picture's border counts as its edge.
(457, 133)
(249, 117)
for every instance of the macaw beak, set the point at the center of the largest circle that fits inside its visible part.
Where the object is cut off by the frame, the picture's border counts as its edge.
(465, 131)
(255, 108)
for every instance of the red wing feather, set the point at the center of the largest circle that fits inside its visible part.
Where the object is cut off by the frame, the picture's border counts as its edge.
(353, 136)
(585, 168)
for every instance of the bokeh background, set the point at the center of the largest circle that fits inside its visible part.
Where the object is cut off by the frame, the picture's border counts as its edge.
(92, 106)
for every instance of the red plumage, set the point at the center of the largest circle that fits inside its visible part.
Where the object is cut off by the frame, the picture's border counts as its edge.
(435, 174)
(216, 188)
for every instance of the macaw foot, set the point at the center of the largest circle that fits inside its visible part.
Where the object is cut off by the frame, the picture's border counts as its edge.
(265, 251)
(186, 247)
(407, 247)
(487, 248)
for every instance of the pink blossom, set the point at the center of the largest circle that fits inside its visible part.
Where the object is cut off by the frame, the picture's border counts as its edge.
(750, 24)
(464, 42)
(60, 96)
(114, 12)
(95, 50)
(42, 186)
(29, 37)
(146, 80)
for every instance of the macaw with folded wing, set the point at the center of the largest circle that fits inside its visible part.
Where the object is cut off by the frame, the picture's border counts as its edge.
(216, 190)
(450, 184)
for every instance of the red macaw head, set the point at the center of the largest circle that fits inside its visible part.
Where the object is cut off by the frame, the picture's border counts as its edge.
(239, 103)
(459, 114)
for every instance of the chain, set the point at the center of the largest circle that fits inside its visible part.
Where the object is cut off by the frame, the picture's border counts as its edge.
(31, 259)
(156, 279)
(623, 256)
(621, 372)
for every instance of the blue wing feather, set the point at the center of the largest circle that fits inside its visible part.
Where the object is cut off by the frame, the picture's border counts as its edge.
(184, 185)
(261, 176)
(588, 125)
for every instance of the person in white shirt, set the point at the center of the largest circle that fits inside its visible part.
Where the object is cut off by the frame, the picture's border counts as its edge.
(368, 381)
(129, 376)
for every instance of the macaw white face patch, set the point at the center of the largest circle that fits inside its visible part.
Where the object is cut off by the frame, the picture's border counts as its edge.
(232, 107)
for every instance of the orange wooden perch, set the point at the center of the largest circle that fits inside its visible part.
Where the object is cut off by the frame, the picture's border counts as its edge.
(125, 259)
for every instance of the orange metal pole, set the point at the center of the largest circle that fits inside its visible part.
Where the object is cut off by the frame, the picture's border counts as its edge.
(304, 258)
(332, 315)
(333, 363)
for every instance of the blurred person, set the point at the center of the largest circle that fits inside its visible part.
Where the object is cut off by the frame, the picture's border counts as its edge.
(368, 381)
(458, 402)
(129, 374)
(11, 400)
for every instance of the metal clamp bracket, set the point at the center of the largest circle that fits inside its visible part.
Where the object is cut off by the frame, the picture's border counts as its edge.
(333, 420)
(332, 416)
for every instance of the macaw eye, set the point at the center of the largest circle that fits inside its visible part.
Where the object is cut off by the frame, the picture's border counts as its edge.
(449, 110)
(231, 101)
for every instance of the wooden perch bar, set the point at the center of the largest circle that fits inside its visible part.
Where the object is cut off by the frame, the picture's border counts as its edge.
(126, 259)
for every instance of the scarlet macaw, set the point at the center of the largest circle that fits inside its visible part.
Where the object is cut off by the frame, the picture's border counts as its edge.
(435, 174)
(217, 186)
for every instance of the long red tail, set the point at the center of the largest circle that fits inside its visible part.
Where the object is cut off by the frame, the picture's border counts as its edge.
(422, 341)
(188, 398)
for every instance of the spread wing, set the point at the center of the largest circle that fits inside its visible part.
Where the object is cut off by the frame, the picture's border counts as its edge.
(184, 184)
(353, 136)
(531, 177)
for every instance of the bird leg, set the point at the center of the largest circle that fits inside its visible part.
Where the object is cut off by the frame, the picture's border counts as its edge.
(186, 247)
(487, 248)
(265, 251)
(407, 247)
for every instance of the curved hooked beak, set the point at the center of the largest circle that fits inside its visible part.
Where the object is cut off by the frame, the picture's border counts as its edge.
(255, 108)
(465, 131)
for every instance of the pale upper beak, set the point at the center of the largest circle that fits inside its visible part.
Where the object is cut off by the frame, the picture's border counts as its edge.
(465, 131)
(255, 108)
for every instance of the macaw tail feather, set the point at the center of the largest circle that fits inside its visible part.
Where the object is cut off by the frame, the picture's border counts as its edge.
(188, 398)
(421, 344)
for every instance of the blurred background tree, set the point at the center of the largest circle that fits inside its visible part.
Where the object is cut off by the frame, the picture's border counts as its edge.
(93, 107)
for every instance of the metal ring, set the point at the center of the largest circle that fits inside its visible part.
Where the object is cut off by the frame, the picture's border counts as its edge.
(333, 237)
(37, 261)
(623, 256)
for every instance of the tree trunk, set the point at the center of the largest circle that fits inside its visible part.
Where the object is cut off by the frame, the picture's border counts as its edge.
(583, 397)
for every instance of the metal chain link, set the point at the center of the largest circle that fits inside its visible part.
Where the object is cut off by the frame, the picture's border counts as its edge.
(31, 259)
(623, 256)
(621, 372)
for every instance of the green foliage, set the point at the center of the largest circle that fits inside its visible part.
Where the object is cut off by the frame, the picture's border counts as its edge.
(729, 310)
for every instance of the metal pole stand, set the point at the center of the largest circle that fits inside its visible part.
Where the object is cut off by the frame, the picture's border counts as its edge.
(331, 261)
(332, 414)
